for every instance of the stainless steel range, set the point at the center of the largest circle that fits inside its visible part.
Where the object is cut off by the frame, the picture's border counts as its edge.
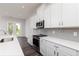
(36, 41)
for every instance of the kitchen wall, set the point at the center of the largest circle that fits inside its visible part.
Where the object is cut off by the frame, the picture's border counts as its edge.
(65, 33)
(29, 30)
(5, 20)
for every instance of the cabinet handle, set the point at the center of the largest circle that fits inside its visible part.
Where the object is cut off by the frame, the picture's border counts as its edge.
(59, 23)
(54, 52)
(62, 23)
(57, 54)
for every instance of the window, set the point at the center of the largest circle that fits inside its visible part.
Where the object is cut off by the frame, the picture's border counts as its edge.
(10, 28)
(18, 29)
(14, 28)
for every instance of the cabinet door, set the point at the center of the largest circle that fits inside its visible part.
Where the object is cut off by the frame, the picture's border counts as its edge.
(78, 13)
(64, 51)
(47, 48)
(47, 17)
(43, 47)
(40, 17)
(53, 15)
(40, 11)
(70, 15)
(51, 51)
(56, 14)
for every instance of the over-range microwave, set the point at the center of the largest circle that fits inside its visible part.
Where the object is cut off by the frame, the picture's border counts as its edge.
(40, 24)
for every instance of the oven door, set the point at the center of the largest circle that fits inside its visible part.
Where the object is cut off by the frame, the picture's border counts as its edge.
(36, 42)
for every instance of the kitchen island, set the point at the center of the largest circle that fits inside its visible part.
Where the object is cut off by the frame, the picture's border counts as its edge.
(10, 48)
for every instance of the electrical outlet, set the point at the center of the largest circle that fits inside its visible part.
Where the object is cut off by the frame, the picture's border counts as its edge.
(75, 34)
(53, 32)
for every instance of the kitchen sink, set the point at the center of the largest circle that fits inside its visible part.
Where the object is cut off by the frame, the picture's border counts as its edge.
(6, 40)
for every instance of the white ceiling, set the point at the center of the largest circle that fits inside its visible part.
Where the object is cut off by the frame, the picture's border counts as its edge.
(18, 10)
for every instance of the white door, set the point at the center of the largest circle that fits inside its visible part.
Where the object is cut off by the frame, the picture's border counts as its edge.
(70, 16)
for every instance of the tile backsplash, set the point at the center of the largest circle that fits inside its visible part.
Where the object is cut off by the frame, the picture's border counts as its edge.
(65, 33)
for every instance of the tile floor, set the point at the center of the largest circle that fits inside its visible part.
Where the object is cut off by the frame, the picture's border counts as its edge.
(27, 49)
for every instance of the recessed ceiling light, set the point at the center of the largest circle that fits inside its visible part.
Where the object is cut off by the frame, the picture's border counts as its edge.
(23, 7)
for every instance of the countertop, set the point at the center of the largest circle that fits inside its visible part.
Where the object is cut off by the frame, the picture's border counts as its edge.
(71, 44)
(11, 48)
(6, 36)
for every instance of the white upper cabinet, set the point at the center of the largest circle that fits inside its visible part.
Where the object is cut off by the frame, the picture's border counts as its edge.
(63, 15)
(40, 12)
(47, 17)
(52, 15)
(78, 14)
(59, 15)
(70, 15)
(56, 13)
(43, 13)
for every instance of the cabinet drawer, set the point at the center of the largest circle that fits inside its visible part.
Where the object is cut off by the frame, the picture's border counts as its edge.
(67, 50)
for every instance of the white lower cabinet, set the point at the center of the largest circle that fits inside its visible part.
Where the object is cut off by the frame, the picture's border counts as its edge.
(48, 48)
(43, 47)
(64, 51)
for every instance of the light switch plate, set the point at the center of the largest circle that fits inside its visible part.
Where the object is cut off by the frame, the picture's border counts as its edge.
(75, 34)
